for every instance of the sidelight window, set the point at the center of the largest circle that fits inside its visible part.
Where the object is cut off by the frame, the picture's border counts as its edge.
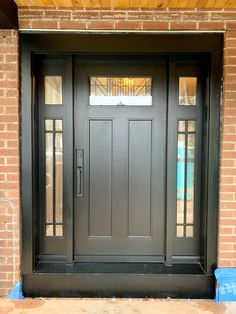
(185, 178)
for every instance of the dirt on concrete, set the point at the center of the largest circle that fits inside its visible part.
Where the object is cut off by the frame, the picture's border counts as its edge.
(114, 306)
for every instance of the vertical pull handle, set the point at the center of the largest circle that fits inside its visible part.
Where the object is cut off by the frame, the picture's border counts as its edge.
(79, 172)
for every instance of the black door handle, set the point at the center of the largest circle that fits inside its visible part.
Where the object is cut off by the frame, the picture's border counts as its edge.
(79, 172)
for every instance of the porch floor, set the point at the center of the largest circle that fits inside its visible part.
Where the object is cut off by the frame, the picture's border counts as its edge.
(114, 306)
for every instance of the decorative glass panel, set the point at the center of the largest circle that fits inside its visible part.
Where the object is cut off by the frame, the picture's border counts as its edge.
(120, 91)
(187, 91)
(185, 178)
(54, 177)
(53, 90)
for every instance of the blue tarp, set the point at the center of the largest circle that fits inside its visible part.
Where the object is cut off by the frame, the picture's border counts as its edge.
(16, 293)
(226, 284)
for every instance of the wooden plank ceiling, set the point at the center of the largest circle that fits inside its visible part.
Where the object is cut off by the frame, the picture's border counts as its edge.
(185, 4)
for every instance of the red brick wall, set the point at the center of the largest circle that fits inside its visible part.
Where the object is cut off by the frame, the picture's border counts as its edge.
(111, 20)
(227, 214)
(9, 160)
(117, 19)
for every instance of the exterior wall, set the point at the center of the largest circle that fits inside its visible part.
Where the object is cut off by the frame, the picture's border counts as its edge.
(227, 205)
(110, 20)
(9, 161)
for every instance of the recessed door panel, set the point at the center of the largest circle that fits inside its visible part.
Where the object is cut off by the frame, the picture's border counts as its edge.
(140, 174)
(100, 178)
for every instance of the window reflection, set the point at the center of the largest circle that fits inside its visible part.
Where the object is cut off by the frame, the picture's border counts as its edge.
(53, 90)
(187, 91)
(185, 178)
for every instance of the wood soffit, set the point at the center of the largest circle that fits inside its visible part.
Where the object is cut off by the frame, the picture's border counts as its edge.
(129, 4)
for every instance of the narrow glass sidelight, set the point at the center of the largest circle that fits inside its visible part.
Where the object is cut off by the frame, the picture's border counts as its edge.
(185, 178)
(120, 91)
(187, 91)
(54, 177)
(53, 90)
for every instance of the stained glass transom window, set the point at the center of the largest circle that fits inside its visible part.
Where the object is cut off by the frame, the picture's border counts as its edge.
(120, 91)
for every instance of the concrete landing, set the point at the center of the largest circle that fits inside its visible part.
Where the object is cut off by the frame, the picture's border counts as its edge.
(114, 306)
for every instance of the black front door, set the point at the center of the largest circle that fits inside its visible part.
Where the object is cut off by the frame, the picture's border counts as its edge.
(120, 160)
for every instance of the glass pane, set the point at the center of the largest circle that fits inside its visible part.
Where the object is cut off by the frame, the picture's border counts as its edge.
(189, 231)
(181, 125)
(49, 176)
(49, 230)
(180, 231)
(190, 178)
(49, 125)
(58, 177)
(58, 125)
(53, 90)
(180, 211)
(181, 170)
(120, 91)
(187, 91)
(59, 231)
(191, 125)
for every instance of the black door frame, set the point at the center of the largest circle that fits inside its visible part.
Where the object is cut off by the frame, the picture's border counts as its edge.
(174, 284)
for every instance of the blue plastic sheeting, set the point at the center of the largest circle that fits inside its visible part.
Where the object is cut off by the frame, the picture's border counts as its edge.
(16, 293)
(226, 284)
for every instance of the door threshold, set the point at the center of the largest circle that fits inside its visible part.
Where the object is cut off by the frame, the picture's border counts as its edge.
(118, 268)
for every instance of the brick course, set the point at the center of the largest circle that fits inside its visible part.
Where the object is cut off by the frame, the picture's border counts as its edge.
(164, 19)
(111, 20)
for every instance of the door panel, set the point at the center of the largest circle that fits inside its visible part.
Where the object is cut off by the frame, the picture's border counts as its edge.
(100, 171)
(121, 214)
(140, 174)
